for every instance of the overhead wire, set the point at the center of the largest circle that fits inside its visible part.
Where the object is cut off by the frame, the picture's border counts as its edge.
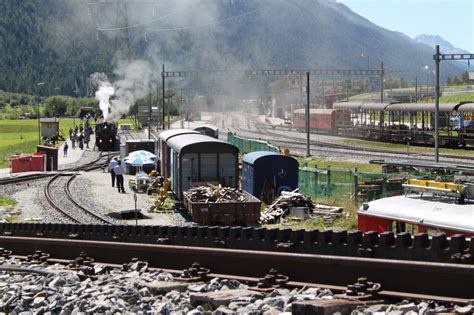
(102, 29)
(210, 23)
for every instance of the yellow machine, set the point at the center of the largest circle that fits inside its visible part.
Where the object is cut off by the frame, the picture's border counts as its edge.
(448, 189)
(162, 195)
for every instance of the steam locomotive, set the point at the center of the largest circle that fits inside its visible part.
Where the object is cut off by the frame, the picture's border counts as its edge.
(106, 136)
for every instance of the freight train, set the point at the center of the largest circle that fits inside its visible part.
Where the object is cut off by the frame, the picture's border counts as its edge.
(106, 136)
(395, 122)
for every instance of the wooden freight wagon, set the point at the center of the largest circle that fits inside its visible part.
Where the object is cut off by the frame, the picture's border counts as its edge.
(239, 212)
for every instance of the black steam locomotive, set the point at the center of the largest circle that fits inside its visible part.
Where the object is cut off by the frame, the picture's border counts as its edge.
(106, 136)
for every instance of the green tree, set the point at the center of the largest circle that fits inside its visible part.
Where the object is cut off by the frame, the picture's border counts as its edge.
(56, 106)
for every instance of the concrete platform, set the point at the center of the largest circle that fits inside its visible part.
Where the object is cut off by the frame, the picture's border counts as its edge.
(73, 155)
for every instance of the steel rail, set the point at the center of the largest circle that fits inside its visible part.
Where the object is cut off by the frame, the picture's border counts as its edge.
(404, 246)
(23, 178)
(418, 278)
(299, 141)
(52, 203)
(289, 284)
(87, 211)
(85, 167)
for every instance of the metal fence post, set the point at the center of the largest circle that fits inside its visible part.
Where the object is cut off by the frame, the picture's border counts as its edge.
(328, 183)
(356, 183)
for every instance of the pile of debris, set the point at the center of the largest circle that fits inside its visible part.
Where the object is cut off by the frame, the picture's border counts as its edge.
(214, 194)
(296, 204)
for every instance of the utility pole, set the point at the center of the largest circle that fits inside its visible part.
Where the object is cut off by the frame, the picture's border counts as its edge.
(437, 58)
(39, 124)
(163, 96)
(307, 114)
(149, 112)
(381, 82)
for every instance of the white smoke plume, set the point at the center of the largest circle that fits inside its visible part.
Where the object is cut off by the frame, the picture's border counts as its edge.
(133, 82)
(104, 92)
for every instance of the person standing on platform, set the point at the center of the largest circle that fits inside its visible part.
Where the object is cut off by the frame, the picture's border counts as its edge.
(81, 141)
(112, 164)
(87, 138)
(119, 176)
(65, 148)
(73, 140)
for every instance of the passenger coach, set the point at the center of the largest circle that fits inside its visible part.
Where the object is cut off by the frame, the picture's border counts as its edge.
(164, 150)
(196, 159)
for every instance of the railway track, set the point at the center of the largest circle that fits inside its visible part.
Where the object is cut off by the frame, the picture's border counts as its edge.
(99, 162)
(127, 135)
(58, 194)
(404, 246)
(394, 278)
(298, 144)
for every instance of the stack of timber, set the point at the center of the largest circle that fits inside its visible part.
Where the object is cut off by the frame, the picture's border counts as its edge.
(282, 206)
(221, 205)
(215, 194)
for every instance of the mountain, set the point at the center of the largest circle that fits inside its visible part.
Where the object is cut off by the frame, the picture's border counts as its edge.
(61, 43)
(444, 46)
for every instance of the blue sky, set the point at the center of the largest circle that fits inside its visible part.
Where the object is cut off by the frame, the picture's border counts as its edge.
(451, 19)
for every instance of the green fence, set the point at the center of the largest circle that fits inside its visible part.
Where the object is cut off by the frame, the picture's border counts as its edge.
(340, 183)
(335, 183)
(250, 145)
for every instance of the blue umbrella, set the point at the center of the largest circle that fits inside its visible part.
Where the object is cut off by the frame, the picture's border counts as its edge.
(142, 153)
(138, 160)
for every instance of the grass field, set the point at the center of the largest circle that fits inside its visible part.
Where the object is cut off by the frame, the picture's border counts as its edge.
(323, 163)
(17, 136)
(21, 136)
(456, 98)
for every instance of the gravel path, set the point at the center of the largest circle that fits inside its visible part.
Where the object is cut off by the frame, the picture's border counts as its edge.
(92, 190)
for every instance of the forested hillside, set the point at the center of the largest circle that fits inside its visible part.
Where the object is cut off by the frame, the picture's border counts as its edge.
(62, 42)
(43, 41)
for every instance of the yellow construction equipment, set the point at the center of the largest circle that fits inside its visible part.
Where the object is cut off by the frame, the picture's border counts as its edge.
(162, 195)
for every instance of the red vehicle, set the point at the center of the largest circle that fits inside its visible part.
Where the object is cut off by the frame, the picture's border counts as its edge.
(320, 120)
(416, 215)
(324, 120)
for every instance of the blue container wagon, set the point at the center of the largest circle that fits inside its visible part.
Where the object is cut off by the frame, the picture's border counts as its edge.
(265, 174)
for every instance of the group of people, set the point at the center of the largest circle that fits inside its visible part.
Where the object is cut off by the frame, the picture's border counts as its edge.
(80, 135)
(116, 172)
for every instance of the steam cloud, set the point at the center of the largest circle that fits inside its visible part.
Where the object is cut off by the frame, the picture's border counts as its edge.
(104, 92)
(133, 82)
